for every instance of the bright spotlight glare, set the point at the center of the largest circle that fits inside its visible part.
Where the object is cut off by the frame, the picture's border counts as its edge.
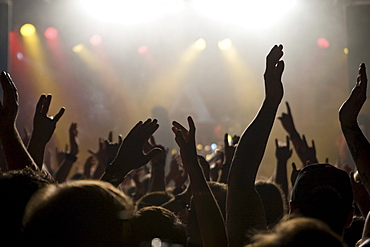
(27, 30)
(200, 44)
(78, 48)
(224, 44)
(247, 13)
(131, 12)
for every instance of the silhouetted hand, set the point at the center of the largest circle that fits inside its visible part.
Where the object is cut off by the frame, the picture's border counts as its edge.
(9, 106)
(44, 125)
(351, 107)
(186, 141)
(72, 139)
(274, 70)
(307, 153)
(287, 120)
(131, 153)
(294, 174)
(283, 151)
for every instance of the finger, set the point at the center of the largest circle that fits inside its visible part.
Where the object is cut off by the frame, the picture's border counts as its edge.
(288, 108)
(276, 143)
(110, 137)
(59, 115)
(152, 141)
(327, 160)
(40, 103)
(179, 126)
(226, 140)
(91, 152)
(287, 142)
(66, 148)
(152, 153)
(46, 106)
(10, 92)
(313, 145)
(120, 139)
(294, 167)
(363, 78)
(191, 126)
(280, 68)
(304, 141)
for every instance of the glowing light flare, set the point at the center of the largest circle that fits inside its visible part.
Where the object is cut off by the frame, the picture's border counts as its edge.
(199, 147)
(27, 30)
(246, 13)
(142, 49)
(200, 44)
(346, 51)
(131, 12)
(323, 43)
(96, 40)
(225, 44)
(51, 33)
(78, 48)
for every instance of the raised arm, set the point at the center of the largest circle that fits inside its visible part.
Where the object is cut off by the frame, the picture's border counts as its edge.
(157, 177)
(65, 166)
(43, 129)
(209, 216)
(283, 153)
(244, 207)
(304, 152)
(131, 154)
(356, 140)
(15, 152)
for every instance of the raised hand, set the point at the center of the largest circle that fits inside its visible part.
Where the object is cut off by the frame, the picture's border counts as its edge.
(287, 121)
(9, 106)
(131, 154)
(274, 70)
(72, 139)
(294, 174)
(186, 141)
(207, 210)
(350, 109)
(43, 128)
(283, 151)
(306, 153)
(15, 152)
(44, 125)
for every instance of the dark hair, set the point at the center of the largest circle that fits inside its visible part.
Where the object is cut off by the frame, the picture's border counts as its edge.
(300, 232)
(16, 189)
(273, 200)
(156, 222)
(77, 213)
(324, 192)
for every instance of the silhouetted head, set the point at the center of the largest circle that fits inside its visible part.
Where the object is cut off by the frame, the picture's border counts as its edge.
(302, 232)
(78, 213)
(16, 188)
(324, 192)
(273, 201)
(156, 222)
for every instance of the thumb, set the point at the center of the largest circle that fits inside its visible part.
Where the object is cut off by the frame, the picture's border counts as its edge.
(152, 153)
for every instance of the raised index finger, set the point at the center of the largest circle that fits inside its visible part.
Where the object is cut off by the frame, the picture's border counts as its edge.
(288, 108)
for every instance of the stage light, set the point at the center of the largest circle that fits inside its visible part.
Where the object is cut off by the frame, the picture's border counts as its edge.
(250, 14)
(27, 30)
(131, 12)
(96, 40)
(346, 51)
(200, 44)
(225, 44)
(20, 55)
(78, 48)
(200, 147)
(323, 43)
(142, 49)
(51, 33)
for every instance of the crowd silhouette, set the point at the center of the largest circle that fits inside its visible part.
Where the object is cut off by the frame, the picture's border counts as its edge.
(124, 195)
